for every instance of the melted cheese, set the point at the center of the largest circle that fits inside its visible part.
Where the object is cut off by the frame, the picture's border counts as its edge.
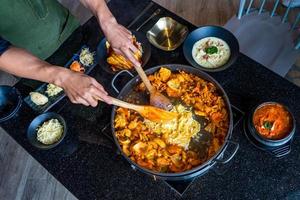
(179, 131)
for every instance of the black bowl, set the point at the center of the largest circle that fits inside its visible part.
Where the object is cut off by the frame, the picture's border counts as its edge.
(263, 140)
(211, 31)
(101, 55)
(38, 121)
(10, 102)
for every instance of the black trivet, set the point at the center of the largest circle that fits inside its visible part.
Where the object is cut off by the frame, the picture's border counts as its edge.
(182, 186)
(178, 186)
(278, 152)
(237, 115)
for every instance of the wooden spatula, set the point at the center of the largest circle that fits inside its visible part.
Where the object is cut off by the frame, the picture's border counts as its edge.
(156, 98)
(148, 112)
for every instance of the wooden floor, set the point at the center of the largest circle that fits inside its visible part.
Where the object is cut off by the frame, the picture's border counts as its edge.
(21, 177)
(213, 12)
(218, 12)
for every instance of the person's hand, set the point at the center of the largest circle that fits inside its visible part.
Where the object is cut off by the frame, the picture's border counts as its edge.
(82, 89)
(120, 40)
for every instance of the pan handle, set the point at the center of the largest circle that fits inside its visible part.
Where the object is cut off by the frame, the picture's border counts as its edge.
(229, 158)
(116, 76)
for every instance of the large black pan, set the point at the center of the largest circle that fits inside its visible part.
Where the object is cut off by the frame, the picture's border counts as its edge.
(128, 94)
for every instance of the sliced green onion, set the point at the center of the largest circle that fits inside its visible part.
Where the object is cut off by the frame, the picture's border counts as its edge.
(211, 50)
(268, 125)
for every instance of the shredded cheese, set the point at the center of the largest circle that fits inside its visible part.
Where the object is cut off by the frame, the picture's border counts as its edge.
(179, 131)
(86, 57)
(50, 132)
(53, 90)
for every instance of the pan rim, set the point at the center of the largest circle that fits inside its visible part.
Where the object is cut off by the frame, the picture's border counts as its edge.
(211, 161)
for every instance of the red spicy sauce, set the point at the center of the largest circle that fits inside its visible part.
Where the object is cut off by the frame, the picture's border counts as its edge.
(272, 121)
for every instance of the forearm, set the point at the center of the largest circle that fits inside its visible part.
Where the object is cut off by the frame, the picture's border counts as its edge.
(119, 37)
(100, 11)
(21, 63)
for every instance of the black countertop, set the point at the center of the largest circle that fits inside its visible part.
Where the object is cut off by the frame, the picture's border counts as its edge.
(92, 171)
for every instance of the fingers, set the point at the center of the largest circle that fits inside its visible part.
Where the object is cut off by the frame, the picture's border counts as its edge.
(104, 98)
(94, 94)
(128, 45)
(118, 51)
(99, 95)
(122, 44)
(78, 100)
(89, 98)
(130, 56)
(89, 95)
(98, 86)
(97, 92)
(133, 48)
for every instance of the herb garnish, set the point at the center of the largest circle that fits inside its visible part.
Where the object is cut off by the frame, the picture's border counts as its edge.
(211, 50)
(268, 125)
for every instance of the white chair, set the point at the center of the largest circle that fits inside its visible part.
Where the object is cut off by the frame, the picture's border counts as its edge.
(266, 37)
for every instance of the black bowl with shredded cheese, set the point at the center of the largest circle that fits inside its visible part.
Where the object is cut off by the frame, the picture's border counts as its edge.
(44, 119)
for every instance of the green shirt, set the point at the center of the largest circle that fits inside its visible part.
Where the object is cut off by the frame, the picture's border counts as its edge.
(40, 26)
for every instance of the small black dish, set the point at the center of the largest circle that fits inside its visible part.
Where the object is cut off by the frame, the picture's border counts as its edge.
(277, 147)
(278, 151)
(53, 100)
(266, 141)
(38, 121)
(101, 55)
(10, 102)
(211, 31)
